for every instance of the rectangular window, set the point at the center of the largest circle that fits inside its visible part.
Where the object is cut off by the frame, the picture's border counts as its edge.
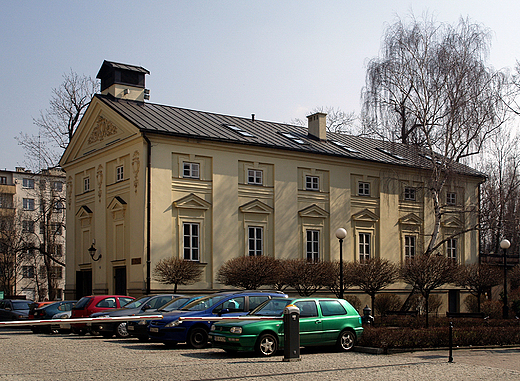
(254, 176)
(3, 179)
(313, 245)
(364, 247)
(28, 271)
(191, 241)
(312, 183)
(451, 198)
(363, 189)
(255, 240)
(56, 228)
(409, 247)
(57, 186)
(409, 194)
(28, 226)
(28, 183)
(120, 173)
(28, 204)
(451, 249)
(190, 170)
(57, 272)
(58, 207)
(86, 184)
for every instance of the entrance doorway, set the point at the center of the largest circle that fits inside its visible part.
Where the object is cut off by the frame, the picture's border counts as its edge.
(120, 280)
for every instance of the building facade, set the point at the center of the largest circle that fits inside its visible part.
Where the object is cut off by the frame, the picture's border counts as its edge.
(147, 182)
(32, 209)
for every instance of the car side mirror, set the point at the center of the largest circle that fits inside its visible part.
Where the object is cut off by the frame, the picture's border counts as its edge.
(147, 307)
(223, 311)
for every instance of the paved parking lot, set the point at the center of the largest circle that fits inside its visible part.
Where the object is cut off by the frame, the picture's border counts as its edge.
(28, 356)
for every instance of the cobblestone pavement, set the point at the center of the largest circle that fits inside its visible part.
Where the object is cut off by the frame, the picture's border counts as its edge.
(28, 356)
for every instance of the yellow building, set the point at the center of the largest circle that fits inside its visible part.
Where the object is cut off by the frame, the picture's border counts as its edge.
(148, 181)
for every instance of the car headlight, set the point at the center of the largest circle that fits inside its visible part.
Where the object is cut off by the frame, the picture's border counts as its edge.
(212, 328)
(237, 330)
(174, 323)
(143, 322)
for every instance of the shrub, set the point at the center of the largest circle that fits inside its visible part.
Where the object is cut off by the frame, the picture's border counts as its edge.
(177, 271)
(248, 272)
(492, 308)
(387, 302)
(355, 301)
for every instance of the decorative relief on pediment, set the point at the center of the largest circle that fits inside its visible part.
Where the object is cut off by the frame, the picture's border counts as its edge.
(102, 129)
(136, 164)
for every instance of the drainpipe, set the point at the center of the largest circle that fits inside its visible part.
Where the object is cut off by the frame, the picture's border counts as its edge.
(148, 212)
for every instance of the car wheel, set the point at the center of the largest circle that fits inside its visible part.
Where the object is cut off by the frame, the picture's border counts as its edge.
(346, 340)
(121, 330)
(198, 338)
(266, 345)
(107, 335)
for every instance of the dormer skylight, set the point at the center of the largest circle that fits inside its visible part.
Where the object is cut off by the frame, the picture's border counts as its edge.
(239, 130)
(344, 146)
(294, 138)
(391, 154)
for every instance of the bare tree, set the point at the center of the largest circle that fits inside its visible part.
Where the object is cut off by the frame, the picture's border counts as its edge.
(374, 275)
(426, 273)
(249, 272)
(57, 123)
(12, 246)
(177, 271)
(478, 278)
(309, 277)
(337, 120)
(348, 273)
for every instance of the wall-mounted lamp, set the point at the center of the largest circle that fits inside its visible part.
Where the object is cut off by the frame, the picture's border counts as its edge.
(92, 251)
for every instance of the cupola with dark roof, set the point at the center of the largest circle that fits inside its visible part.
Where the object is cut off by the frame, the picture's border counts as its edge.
(123, 81)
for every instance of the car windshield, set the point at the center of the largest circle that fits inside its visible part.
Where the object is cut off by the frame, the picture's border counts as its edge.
(175, 304)
(21, 304)
(83, 302)
(204, 303)
(137, 303)
(273, 307)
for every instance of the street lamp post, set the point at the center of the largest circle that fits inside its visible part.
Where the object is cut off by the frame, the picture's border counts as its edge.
(504, 244)
(341, 234)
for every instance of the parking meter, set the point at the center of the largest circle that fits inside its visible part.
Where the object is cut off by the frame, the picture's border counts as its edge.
(291, 322)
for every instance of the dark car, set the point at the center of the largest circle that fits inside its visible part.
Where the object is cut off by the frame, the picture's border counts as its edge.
(323, 321)
(88, 305)
(14, 309)
(170, 331)
(48, 311)
(141, 305)
(139, 328)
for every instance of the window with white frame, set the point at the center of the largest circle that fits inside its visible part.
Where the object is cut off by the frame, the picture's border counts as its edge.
(191, 243)
(363, 188)
(28, 204)
(409, 246)
(191, 170)
(451, 198)
(120, 174)
(28, 183)
(3, 179)
(86, 184)
(364, 247)
(313, 245)
(255, 240)
(57, 186)
(312, 183)
(409, 194)
(254, 176)
(451, 248)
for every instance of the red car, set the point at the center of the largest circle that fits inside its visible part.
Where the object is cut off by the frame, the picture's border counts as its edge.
(88, 305)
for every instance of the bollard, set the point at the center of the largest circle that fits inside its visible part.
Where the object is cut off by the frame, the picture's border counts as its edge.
(291, 323)
(450, 357)
(367, 318)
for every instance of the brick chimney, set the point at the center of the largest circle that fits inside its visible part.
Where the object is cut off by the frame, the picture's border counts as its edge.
(317, 126)
(123, 81)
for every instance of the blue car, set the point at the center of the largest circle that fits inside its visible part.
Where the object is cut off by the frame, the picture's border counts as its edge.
(170, 331)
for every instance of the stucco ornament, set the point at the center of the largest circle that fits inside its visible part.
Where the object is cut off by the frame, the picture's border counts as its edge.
(103, 129)
(136, 164)
(99, 177)
(69, 191)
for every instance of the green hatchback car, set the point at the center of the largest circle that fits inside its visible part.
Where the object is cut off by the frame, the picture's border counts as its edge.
(323, 321)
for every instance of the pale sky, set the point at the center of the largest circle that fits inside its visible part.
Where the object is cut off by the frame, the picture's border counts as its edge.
(273, 58)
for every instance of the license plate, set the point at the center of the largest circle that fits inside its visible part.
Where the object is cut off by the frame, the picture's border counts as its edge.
(153, 329)
(130, 327)
(219, 338)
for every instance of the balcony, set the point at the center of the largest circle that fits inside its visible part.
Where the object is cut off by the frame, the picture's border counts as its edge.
(7, 189)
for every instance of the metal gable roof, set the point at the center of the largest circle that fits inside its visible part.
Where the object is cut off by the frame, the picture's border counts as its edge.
(175, 121)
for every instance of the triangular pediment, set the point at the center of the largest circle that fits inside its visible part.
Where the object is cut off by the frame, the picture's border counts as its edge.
(410, 219)
(99, 129)
(313, 211)
(84, 212)
(192, 201)
(256, 206)
(452, 222)
(365, 215)
(117, 203)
